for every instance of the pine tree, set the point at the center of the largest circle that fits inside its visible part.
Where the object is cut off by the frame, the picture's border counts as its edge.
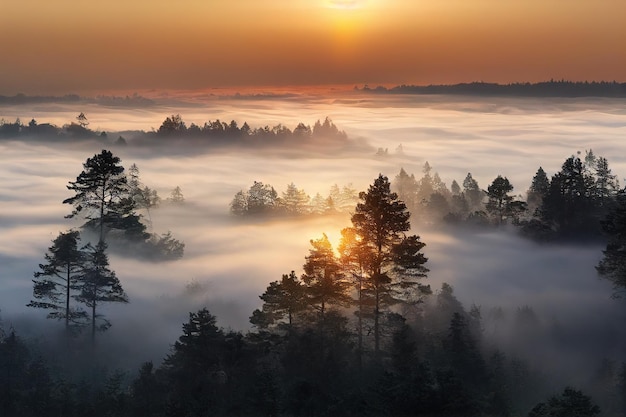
(571, 403)
(568, 204)
(538, 189)
(54, 285)
(176, 196)
(323, 278)
(353, 255)
(239, 205)
(99, 284)
(406, 187)
(473, 193)
(102, 197)
(294, 200)
(282, 300)
(394, 262)
(193, 370)
(262, 198)
(499, 198)
(613, 265)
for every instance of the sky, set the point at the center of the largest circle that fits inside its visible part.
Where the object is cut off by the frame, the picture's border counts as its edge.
(70, 46)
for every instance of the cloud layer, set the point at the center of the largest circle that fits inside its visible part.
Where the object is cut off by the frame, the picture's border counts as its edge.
(228, 263)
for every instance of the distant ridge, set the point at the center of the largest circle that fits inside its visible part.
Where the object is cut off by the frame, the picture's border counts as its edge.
(550, 88)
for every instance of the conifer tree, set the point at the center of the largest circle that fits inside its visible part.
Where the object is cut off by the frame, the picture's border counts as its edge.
(323, 278)
(294, 200)
(102, 197)
(99, 284)
(282, 300)
(613, 265)
(499, 198)
(394, 261)
(58, 279)
(471, 190)
(538, 189)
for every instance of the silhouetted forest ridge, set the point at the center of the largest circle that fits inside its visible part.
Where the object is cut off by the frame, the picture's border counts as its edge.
(552, 88)
(173, 128)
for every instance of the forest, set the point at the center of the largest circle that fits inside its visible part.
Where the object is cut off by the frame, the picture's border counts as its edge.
(358, 332)
(572, 205)
(552, 88)
(212, 134)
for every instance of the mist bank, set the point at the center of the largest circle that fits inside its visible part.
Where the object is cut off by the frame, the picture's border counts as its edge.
(228, 263)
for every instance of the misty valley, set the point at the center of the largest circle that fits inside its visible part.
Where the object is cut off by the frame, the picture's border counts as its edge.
(349, 255)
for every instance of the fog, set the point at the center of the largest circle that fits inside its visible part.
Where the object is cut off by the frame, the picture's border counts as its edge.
(228, 262)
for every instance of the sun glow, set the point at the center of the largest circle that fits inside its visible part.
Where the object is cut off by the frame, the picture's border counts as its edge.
(345, 4)
(348, 18)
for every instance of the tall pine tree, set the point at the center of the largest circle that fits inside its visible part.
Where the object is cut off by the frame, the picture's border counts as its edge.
(394, 261)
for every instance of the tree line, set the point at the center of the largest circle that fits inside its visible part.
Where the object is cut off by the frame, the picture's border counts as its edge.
(211, 133)
(263, 199)
(552, 88)
(569, 205)
(358, 333)
(572, 204)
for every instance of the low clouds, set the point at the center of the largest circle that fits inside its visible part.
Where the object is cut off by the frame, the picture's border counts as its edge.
(228, 263)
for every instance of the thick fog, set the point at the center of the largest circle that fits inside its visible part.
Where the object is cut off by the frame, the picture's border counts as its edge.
(229, 262)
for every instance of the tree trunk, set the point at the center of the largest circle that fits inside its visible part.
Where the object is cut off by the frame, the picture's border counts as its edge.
(93, 324)
(360, 326)
(67, 299)
(102, 201)
(376, 325)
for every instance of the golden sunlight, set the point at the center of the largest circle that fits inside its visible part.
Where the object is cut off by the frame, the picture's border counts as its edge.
(348, 17)
(345, 4)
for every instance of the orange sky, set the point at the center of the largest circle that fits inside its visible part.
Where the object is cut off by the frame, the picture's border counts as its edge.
(63, 46)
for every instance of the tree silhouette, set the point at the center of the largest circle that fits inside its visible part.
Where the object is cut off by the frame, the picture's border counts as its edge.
(82, 120)
(613, 265)
(498, 198)
(176, 196)
(99, 284)
(571, 403)
(172, 126)
(568, 204)
(56, 281)
(282, 300)
(102, 196)
(406, 187)
(323, 278)
(294, 200)
(606, 183)
(394, 262)
(538, 189)
(353, 253)
(262, 198)
(195, 369)
(473, 193)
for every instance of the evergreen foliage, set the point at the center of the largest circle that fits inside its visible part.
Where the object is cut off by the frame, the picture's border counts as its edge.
(58, 281)
(101, 196)
(393, 261)
(99, 284)
(613, 264)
